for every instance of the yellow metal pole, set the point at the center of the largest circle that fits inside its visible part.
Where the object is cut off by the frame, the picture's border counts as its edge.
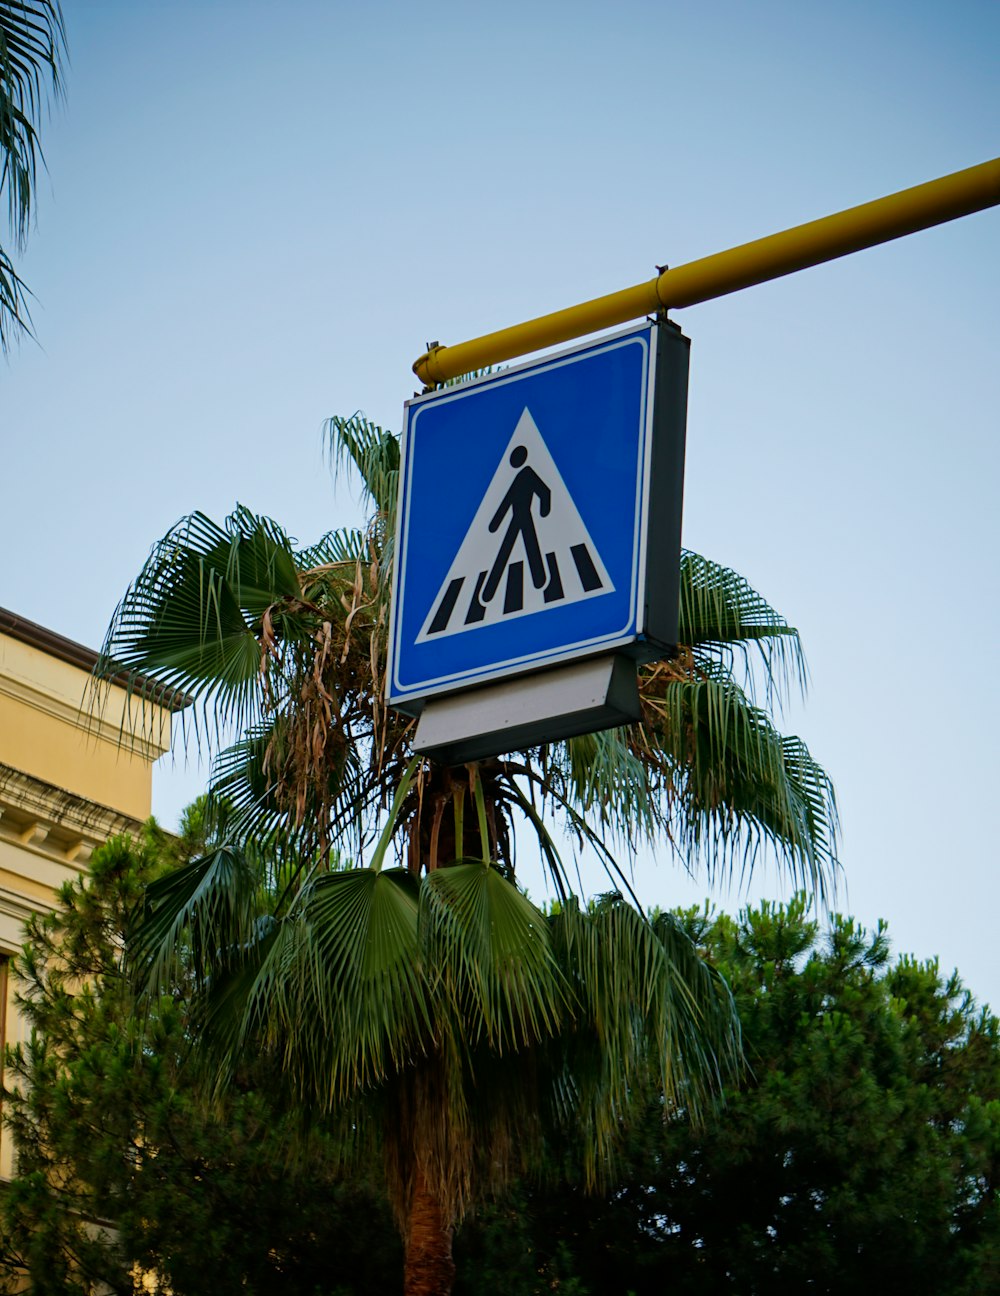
(806, 245)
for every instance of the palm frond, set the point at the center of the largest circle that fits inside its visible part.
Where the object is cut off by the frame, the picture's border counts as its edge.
(608, 782)
(644, 994)
(341, 547)
(392, 823)
(256, 558)
(32, 46)
(489, 948)
(471, 376)
(248, 802)
(555, 795)
(372, 451)
(15, 318)
(32, 43)
(736, 783)
(547, 847)
(699, 1046)
(723, 617)
(335, 987)
(192, 619)
(244, 804)
(240, 777)
(198, 912)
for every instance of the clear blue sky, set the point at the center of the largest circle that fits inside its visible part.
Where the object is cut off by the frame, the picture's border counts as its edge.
(256, 214)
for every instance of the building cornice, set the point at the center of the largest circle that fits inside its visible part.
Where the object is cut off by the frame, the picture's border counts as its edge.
(49, 821)
(86, 659)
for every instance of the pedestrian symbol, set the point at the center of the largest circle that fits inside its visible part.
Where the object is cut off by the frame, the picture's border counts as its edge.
(527, 548)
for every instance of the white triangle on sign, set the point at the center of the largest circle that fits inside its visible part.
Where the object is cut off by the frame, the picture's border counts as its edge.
(526, 550)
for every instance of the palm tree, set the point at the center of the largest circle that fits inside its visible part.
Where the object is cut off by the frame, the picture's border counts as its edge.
(363, 921)
(32, 43)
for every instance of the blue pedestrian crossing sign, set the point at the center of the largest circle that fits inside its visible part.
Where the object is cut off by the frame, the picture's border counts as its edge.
(539, 516)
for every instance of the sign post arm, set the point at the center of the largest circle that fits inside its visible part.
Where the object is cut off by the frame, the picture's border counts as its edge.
(793, 249)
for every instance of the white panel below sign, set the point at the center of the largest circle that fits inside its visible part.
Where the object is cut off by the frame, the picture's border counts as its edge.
(580, 698)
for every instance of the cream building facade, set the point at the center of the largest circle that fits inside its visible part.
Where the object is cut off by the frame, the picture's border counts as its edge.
(75, 769)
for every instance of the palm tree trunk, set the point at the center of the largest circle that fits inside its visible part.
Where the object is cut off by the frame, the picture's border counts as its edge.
(429, 1269)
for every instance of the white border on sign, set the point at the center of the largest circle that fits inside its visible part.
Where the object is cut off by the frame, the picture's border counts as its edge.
(641, 335)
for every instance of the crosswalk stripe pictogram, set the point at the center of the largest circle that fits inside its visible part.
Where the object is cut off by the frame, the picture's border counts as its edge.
(527, 548)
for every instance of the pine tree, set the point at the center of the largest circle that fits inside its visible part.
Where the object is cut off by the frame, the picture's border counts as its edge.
(122, 1169)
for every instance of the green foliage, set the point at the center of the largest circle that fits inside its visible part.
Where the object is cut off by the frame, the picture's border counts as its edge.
(32, 43)
(723, 619)
(455, 974)
(430, 1008)
(122, 1167)
(862, 1147)
(860, 1144)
